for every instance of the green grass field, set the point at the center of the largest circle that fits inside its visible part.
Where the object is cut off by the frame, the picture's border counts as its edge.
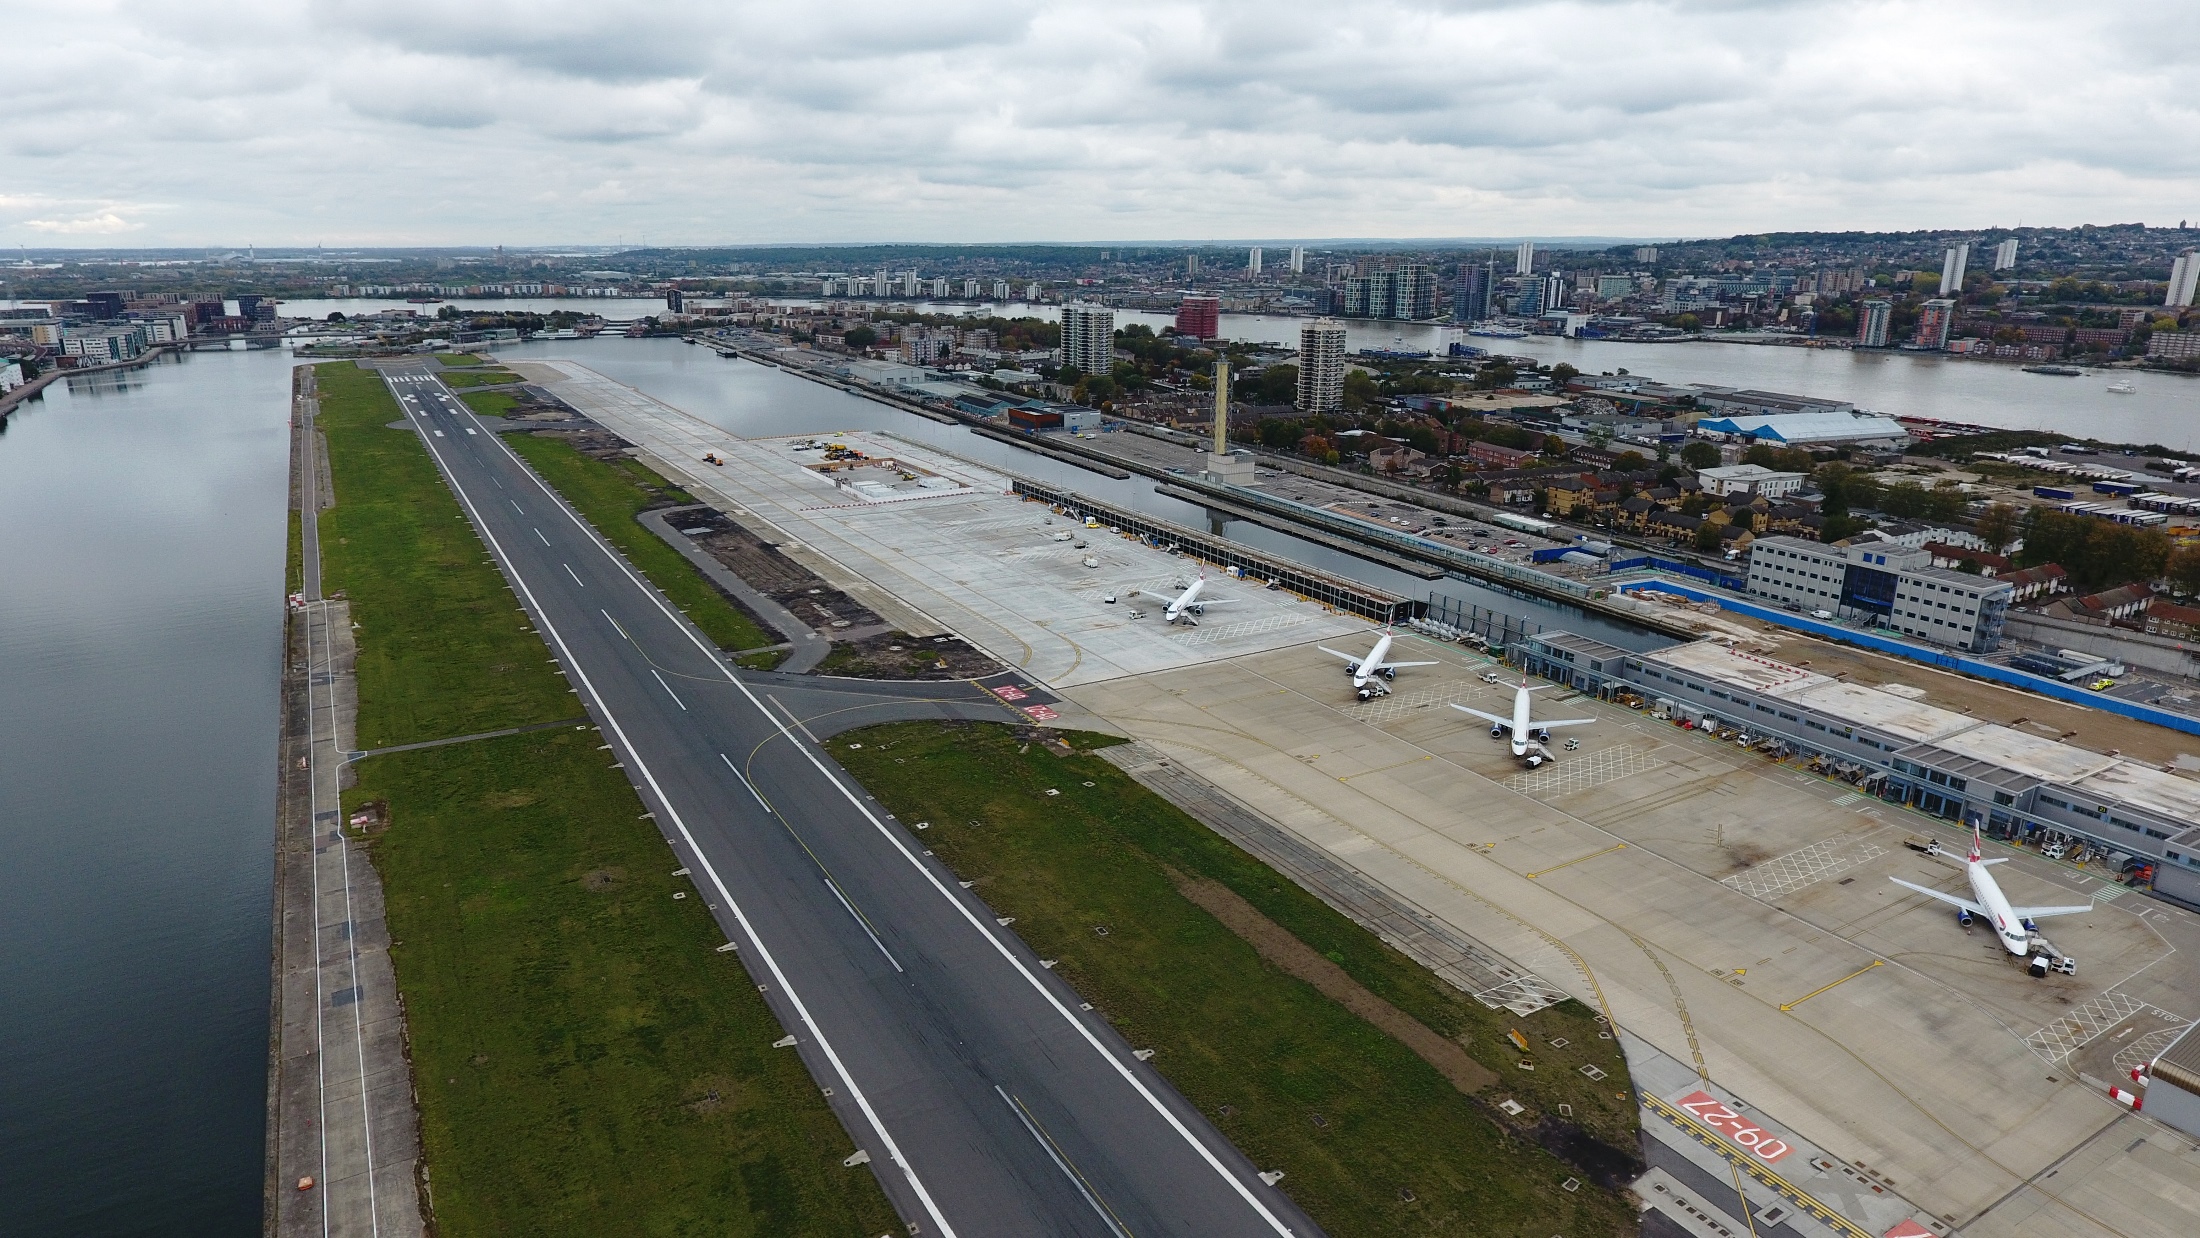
(587, 1063)
(460, 359)
(1373, 1140)
(443, 647)
(490, 403)
(609, 494)
(477, 378)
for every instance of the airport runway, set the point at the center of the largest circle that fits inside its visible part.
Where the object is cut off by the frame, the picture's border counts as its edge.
(987, 1098)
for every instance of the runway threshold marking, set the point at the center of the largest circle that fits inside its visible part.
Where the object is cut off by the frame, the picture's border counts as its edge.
(1836, 984)
(1062, 1162)
(1576, 860)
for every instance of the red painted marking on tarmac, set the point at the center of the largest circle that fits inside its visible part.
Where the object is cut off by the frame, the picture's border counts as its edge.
(1040, 713)
(1713, 1112)
(1007, 693)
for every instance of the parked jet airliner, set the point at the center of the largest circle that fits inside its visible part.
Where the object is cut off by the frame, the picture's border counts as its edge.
(1523, 729)
(1365, 671)
(2012, 925)
(1189, 604)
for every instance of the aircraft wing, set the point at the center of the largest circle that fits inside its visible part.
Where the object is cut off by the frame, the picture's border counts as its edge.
(1503, 722)
(2038, 913)
(1950, 899)
(1539, 724)
(1391, 666)
(1338, 653)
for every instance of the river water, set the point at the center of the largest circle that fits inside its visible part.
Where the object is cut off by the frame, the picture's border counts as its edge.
(141, 610)
(2165, 408)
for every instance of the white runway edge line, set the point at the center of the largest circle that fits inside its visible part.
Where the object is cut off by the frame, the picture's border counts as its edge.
(794, 998)
(991, 936)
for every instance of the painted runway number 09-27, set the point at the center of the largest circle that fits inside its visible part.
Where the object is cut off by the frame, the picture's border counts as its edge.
(1709, 1110)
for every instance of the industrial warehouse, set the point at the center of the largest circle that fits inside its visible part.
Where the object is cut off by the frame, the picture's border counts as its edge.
(1951, 765)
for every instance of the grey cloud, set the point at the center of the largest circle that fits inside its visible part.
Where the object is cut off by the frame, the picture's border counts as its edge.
(997, 120)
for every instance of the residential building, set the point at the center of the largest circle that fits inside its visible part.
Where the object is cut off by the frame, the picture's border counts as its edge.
(1321, 366)
(1615, 287)
(1647, 254)
(970, 290)
(1934, 321)
(1191, 264)
(1951, 270)
(11, 375)
(1872, 321)
(938, 287)
(101, 345)
(1252, 260)
(1298, 259)
(107, 306)
(1470, 297)
(1490, 455)
(1031, 292)
(1896, 584)
(1524, 260)
(1407, 292)
(2005, 255)
(1000, 290)
(2184, 277)
(1751, 479)
(1199, 316)
(2046, 580)
(2174, 345)
(1529, 303)
(1088, 338)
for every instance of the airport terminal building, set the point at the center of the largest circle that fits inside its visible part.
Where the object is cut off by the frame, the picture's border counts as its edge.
(1895, 745)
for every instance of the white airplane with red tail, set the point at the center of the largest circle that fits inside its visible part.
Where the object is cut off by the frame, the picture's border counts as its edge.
(2013, 926)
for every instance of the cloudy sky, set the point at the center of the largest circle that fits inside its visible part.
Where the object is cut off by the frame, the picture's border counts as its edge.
(405, 122)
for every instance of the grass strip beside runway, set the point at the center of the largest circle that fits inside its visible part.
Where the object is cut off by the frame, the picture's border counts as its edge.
(1373, 1139)
(609, 494)
(443, 647)
(490, 403)
(477, 378)
(586, 1062)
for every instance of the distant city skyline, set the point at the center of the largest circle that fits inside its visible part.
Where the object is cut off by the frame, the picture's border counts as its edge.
(415, 124)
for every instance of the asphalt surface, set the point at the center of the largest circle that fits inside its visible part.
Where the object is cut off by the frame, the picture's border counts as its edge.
(989, 1100)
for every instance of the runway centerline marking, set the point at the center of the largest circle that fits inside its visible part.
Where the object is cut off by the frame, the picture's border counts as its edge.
(545, 540)
(746, 783)
(1062, 1162)
(868, 931)
(575, 575)
(674, 695)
